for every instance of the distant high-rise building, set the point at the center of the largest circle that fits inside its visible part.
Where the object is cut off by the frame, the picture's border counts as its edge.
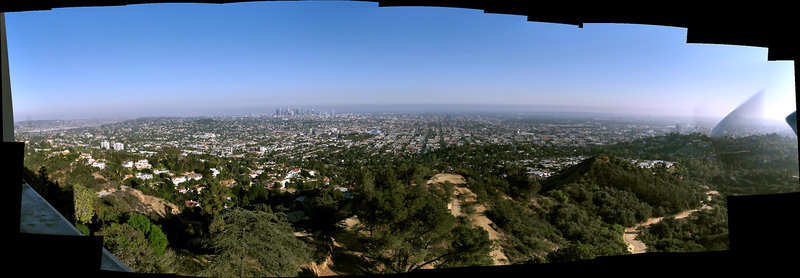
(105, 145)
(118, 146)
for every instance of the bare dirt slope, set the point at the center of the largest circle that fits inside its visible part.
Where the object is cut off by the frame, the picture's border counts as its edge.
(146, 204)
(477, 216)
(443, 177)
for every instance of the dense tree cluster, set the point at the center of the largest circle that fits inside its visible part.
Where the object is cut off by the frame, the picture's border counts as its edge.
(410, 227)
(139, 244)
(705, 231)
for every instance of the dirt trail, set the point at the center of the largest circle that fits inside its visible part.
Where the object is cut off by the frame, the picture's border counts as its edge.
(636, 246)
(452, 178)
(478, 218)
(343, 261)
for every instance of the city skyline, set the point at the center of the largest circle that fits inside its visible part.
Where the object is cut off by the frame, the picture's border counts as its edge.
(201, 59)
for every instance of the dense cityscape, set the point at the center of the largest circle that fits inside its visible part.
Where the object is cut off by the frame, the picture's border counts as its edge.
(296, 135)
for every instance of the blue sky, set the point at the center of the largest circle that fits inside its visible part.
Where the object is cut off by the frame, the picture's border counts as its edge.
(204, 59)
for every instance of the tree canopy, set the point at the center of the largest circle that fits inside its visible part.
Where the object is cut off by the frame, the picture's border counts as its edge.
(254, 244)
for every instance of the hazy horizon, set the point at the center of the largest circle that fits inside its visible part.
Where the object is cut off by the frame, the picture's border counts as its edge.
(390, 109)
(241, 58)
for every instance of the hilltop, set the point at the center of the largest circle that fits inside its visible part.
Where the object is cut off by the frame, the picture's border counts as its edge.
(656, 188)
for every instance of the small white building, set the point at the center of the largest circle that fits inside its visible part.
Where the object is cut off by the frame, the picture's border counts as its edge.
(283, 182)
(158, 172)
(142, 164)
(178, 180)
(127, 164)
(214, 172)
(100, 165)
(144, 176)
(292, 173)
(194, 176)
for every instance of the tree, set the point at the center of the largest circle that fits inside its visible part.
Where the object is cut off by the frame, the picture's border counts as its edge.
(130, 246)
(574, 252)
(155, 237)
(469, 246)
(214, 198)
(253, 243)
(411, 228)
(323, 211)
(84, 204)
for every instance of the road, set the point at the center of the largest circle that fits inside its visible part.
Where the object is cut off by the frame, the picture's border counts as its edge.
(636, 246)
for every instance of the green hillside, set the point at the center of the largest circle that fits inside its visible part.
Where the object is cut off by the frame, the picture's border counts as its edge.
(605, 181)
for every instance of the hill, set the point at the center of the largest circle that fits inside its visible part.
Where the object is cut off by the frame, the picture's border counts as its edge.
(581, 212)
(596, 179)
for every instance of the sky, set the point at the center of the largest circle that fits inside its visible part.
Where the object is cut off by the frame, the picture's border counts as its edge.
(210, 59)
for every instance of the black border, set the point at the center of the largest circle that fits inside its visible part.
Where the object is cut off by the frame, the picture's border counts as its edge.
(755, 222)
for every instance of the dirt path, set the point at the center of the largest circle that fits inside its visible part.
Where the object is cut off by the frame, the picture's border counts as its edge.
(636, 246)
(452, 178)
(455, 207)
(478, 218)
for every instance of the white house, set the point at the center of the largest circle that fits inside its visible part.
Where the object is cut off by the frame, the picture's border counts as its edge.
(143, 164)
(283, 183)
(144, 176)
(178, 180)
(158, 172)
(214, 172)
(194, 176)
(100, 165)
(292, 173)
(128, 164)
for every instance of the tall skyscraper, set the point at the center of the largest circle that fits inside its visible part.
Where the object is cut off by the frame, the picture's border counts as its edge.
(118, 146)
(105, 145)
